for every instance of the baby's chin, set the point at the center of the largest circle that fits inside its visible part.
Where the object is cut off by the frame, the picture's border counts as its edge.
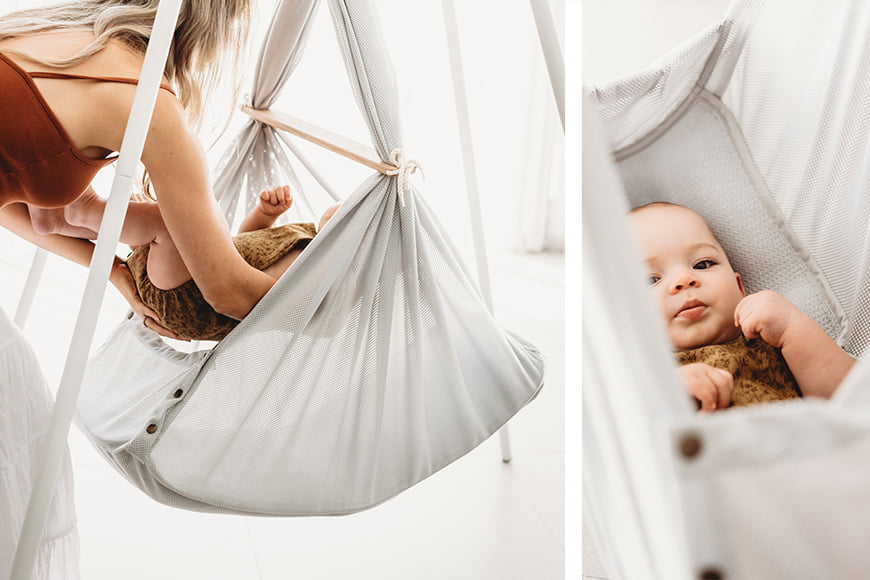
(684, 341)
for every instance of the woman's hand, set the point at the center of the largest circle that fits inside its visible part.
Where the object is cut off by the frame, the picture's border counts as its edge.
(122, 279)
(709, 386)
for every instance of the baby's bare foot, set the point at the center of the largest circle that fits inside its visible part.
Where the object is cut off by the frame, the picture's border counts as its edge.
(46, 221)
(83, 213)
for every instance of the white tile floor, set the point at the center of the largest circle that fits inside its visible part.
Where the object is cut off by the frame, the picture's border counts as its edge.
(478, 519)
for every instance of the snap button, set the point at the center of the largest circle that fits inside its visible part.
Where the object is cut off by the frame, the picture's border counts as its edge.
(690, 446)
(151, 429)
(177, 394)
(711, 574)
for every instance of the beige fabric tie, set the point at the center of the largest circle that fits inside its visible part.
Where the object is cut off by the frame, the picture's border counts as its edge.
(403, 169)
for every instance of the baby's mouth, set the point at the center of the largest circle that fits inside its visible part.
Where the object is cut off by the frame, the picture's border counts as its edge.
(691, 310)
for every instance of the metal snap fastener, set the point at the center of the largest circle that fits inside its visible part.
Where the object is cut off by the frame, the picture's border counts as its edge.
(691, 445)
(151, 429)
(711, 574)
(177, 394)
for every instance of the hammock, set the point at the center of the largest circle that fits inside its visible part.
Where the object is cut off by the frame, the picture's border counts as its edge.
(371, 364)
(761, 125)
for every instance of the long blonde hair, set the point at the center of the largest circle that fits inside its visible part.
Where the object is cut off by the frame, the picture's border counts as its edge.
(206, 31)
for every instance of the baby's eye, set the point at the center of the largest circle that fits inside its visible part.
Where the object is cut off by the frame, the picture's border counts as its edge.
(704, 264)
(653, 279)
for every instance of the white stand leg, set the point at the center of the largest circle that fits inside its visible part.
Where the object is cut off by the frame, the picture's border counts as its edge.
(54, 451)
(552, 52)
(37, 267)
(461, 99)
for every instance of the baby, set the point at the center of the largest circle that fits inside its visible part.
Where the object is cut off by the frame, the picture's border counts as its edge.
(733, 348)
(165, 284)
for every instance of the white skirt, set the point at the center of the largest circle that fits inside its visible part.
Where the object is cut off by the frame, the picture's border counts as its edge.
(25, 408)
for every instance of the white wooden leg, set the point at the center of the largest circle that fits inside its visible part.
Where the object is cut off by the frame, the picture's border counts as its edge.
(37, 267)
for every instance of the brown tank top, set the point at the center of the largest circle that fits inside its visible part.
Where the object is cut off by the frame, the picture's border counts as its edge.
(39, 164)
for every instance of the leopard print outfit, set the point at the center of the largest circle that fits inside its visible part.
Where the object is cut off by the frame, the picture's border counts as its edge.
(759, 369)
(184, 311)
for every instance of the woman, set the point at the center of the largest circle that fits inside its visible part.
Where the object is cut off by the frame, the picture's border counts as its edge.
(67, 76)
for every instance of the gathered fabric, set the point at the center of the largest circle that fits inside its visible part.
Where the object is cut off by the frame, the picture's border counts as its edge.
(25, 408)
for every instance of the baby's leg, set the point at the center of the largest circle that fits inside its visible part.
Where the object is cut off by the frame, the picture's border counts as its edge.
(166, 269)
(143, 223)
(47, 221)
(277, 269)
(327, 215)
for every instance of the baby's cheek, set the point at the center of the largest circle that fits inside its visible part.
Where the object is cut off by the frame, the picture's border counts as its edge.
(661, 303)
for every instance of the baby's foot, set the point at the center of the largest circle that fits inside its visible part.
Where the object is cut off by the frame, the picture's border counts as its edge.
(84, 211)
(275, 201)
(46, 221)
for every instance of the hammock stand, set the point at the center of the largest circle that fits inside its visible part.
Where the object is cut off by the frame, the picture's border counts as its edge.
(761, 125)
(82, 337)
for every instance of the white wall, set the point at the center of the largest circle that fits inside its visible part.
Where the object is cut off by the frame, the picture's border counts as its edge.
(504, 71)
(623, 36)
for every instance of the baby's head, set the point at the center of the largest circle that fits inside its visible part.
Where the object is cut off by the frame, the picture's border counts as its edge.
(696, 289)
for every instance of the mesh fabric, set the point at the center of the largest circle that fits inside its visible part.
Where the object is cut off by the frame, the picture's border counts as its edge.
(771, 147)
(372, 363)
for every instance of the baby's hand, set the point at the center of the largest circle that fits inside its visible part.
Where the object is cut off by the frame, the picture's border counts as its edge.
(710, 386)
(275, 201)
(767, 315)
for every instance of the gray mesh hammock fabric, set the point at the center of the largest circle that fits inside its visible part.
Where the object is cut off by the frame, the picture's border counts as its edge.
(371, 364)
(761, 124)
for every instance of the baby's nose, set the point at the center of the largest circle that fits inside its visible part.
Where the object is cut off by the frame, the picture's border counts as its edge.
(685, 281)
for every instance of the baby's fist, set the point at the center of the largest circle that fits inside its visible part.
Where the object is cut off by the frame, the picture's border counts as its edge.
(275, 201)
(709, 386)
(766, 315)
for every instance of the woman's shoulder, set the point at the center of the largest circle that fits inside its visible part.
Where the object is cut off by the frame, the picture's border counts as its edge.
(116, 59)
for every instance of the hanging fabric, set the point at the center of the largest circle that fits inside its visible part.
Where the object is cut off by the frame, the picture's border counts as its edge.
(761, 124)
(371, 364)
(258, 145)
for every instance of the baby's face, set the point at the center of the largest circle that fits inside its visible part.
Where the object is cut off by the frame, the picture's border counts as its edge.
(690, 276)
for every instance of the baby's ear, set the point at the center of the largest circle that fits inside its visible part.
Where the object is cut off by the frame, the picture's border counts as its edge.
(740, 283)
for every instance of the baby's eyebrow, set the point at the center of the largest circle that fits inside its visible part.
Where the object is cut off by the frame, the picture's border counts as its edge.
(700, 245)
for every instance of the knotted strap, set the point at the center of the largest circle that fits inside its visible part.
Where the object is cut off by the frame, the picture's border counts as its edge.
(404, 168)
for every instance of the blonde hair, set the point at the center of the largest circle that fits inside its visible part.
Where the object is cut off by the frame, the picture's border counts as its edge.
(206, 30)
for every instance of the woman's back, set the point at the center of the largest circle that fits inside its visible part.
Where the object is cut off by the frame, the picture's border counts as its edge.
(94, 117)
(88, 111)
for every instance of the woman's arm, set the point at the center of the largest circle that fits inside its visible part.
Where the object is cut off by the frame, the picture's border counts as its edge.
(16, 219)
(180, 176)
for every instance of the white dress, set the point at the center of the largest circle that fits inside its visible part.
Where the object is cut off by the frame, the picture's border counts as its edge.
(25, 408)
